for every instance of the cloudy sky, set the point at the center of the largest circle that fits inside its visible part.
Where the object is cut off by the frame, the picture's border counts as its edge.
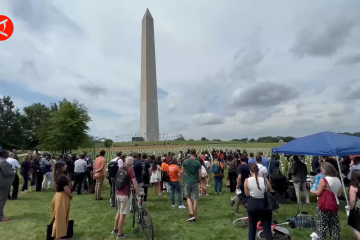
(225, 69)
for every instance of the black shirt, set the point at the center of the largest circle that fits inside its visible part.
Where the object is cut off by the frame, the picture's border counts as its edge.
(138, 170)
(244, 170)
(145, 167)
(70, 166)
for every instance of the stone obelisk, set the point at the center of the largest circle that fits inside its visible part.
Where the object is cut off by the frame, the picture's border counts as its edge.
(149, 116)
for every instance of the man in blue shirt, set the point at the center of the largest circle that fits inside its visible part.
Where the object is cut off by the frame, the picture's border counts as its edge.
(265, 161)
(251, 159)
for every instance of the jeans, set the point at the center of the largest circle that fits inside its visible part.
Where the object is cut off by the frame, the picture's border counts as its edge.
(112, 192)
(218, 184)
(48, 178)
(39, 179)
(26, 180)
(255, 210)
(232, 178)
(15, 189)
(33, 178)
(297, 192)
(79, 177)
(175, 186)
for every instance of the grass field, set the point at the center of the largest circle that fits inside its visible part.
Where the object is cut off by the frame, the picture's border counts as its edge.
(94, 220)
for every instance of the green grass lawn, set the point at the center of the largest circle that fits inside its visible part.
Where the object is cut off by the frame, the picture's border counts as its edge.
(94, 220)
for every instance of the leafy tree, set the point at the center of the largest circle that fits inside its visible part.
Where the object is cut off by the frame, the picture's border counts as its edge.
(252, 140)
(10, 127)
(191, 139)
(203, 139)
(34, 116)
(108, 143)
(67, 127)
(217, 140)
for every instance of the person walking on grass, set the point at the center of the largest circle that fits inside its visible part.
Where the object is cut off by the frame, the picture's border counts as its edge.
(255, 188)
(123, 196)
(15, 166)
(48, 177)
(298, 173)
(155, 172)
(80, 169)
(192, 171)
(217, 168)
(25, 172)
(7, 177)
(99, 174)
(263, 172)
(174, 172)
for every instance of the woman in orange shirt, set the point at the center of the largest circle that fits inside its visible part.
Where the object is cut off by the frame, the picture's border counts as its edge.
(165, 175)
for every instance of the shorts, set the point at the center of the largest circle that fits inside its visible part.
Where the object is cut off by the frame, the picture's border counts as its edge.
(123, 204)
(192, 189)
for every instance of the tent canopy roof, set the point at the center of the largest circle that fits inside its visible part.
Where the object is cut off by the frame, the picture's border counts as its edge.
(322, 144)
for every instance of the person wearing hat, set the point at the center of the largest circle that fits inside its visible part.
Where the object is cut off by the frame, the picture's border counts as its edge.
(7, 176)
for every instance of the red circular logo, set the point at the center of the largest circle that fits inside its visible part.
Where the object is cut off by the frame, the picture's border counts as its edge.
(6, 28)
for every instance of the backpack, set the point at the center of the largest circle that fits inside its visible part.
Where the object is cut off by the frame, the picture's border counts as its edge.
(121, 178)
(113, 168)
(204, 173)
(216, 168)
(327, 200)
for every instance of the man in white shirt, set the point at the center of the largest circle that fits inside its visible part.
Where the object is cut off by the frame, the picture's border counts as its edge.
(79, 170)
(262, 169)
(120, 163)
(15, 166)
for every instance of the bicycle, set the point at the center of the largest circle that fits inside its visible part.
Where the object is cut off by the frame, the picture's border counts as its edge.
(143, 215)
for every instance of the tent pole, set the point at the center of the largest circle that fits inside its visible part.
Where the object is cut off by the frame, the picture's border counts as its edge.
(342, 181)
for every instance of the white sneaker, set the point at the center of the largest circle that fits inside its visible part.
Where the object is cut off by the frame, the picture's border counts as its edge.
(182, 207)
(208, 185)
(207, 194)
(174, 205)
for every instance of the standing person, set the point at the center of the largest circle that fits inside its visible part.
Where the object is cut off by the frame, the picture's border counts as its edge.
(356, 166)
(203, 180)
(25, 172)
(40, 173)
(15, 155)
(263, 172)
(70, 167)
(99, 174)
(7, 177)
(123, 197)
(88, 172)
(328, 220)
(79, 170)
(155, 178)
(49, 173)
(252, 160)
(192, 171)
(217, 168)
(33, 171)
(15, 166)
(113, 168)
(232, 173)
(138, 169)
(61, 202)
(354, 216)
(207, 167)
(165, 176)
(264, 160)
(146, 172)
(254, 190)
(174, 172)
(243, 174)
(298, 172)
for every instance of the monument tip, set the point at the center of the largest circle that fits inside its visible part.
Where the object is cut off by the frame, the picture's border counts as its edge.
(147, 13)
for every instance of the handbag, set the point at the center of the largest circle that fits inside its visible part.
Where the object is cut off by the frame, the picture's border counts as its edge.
(270, 201)
(70, 230)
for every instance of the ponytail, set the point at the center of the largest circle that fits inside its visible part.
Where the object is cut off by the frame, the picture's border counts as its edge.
(257, 180)
(254, 169)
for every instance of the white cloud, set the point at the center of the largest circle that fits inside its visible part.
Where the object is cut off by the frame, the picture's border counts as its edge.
(229, 66)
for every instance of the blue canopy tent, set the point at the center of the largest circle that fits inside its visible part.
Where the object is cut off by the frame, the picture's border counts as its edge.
(323, 144)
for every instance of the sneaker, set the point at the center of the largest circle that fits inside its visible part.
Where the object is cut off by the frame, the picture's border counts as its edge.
(216, 193)
(114, 232)
(208, 185)
(85, 190)
(182, 207)
(122, 236)
(207, 194)
(174, 205)
(220, 192)
(191, 217)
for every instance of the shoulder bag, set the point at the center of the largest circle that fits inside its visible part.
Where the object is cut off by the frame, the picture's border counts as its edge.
(270, 201)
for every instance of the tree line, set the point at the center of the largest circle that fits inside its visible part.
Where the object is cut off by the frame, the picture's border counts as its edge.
(61, 126)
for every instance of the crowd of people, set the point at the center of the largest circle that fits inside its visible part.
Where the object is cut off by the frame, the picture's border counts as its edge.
(249, 176)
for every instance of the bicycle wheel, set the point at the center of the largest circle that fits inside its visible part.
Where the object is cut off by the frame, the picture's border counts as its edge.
(146, 224)
(241, 222)
(276, 235)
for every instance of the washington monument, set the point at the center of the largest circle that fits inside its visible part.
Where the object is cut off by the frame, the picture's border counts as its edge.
(149, 116)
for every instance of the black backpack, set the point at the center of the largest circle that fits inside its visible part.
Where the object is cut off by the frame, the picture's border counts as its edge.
(113, 168)
(121, 178)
